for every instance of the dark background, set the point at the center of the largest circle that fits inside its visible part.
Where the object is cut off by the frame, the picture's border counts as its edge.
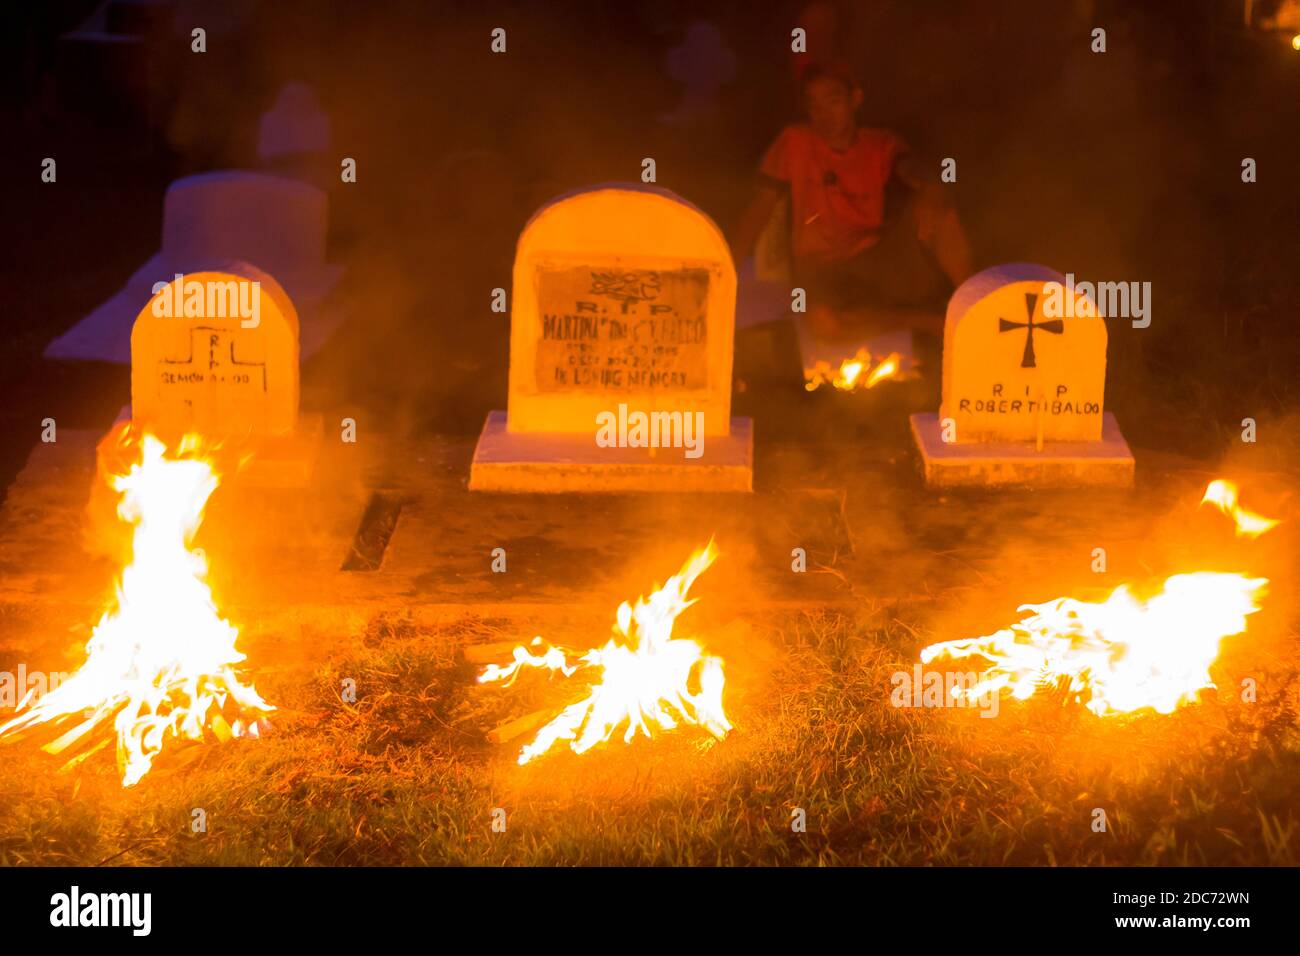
(1124, 166)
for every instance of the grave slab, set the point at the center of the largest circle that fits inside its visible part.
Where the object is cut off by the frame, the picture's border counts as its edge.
(575, 463)
(279, 553)
(1105, 463)
(873, 536)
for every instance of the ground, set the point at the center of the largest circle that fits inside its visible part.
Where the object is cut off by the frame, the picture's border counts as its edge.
(406, 773)
(405, 776)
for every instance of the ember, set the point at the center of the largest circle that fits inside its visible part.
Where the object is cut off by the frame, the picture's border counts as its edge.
(850, 374)
(1125, 653)
(160, 663)
(641, 676)
(1223, 495)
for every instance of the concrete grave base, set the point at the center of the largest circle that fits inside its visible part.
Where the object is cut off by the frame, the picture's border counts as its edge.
(541, 462)
(276, 462)
(288, 462)
(1105, 463)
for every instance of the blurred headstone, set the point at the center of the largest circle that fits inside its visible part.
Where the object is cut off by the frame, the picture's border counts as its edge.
(275, 223)
(293, 136)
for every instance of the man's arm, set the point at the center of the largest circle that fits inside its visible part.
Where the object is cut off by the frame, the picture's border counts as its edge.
(938, 225)
(755, 220)
(909, 173)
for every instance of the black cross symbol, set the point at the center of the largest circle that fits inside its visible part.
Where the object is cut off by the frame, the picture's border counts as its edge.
(1055, 326)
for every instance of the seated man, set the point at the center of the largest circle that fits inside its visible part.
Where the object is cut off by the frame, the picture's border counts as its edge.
(863, 271)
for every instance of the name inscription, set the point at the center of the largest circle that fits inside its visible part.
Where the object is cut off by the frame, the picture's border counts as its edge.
(622, 330)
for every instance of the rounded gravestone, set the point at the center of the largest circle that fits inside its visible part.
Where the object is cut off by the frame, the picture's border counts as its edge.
(1020, 364)
(216, 352)
(622, 294)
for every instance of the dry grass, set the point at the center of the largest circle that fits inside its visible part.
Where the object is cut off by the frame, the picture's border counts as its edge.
(406, 776)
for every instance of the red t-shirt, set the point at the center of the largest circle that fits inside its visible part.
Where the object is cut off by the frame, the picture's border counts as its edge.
(837, 198)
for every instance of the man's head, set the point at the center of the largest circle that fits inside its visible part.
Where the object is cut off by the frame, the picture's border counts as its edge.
(831, 97)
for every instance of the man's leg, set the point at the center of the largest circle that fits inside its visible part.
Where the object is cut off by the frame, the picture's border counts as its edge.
(902, 280)
(832, 291)
(939, 229)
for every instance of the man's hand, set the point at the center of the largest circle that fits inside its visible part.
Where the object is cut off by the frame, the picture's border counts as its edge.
(909, 172)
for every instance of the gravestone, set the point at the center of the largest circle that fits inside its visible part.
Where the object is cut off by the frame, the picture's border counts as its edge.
(295, 125)
(622, 311)
(272, 222)
(215, 352)
(1024, 380)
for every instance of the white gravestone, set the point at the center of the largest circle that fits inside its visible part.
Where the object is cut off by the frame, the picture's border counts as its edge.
(1023, 388)
(215, 353)
(621, 341)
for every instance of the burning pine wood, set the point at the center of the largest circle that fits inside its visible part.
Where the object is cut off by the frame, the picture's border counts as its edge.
(1126, 653)
(641, 677)
(161, 661)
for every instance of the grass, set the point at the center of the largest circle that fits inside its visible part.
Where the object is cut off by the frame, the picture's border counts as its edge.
(405, 774)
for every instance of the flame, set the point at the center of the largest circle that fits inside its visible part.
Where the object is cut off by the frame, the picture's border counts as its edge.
(643, 674)
(1295, 42)
(849, 376)
(889, 368)
(1122, 654)
(1117, 656)
(1223, 495)
(161, 661)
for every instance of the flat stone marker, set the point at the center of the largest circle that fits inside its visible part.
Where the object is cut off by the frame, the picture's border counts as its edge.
(215, 352)
(621, 342)
(1024, 385)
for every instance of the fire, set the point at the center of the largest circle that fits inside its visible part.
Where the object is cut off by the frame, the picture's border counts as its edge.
(849, 376)
(1223, 495)
(161, 661)
(1117, 656)
(641, 677)
(1126, 653)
